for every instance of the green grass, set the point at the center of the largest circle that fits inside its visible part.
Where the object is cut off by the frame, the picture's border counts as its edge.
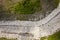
(55, 36)
(26, 7)
(2, 38)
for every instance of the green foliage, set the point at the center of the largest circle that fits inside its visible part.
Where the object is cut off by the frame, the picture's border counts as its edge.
(26, 7)
(55, 36)
(6, 39)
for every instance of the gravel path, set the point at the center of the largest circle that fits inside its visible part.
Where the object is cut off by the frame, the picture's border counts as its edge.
(45, 27)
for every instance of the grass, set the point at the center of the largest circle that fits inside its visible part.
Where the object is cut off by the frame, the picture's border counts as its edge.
(55, 36)
(26, 7)
(3, 38)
